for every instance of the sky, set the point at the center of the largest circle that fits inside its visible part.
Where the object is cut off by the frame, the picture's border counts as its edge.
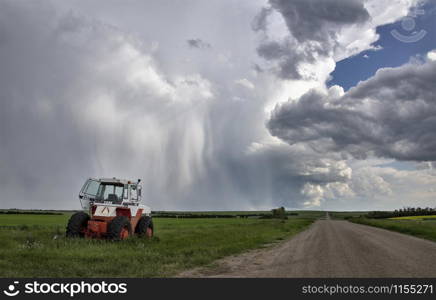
(220, 105)
(393, 52)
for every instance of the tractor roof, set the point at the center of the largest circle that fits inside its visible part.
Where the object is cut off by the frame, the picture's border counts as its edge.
(115, 180)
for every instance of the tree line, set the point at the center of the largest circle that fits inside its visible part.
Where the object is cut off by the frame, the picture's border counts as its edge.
(403, 212)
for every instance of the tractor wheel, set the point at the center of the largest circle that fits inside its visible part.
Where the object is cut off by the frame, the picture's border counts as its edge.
(145, 227)
(77, 225)
(119, 228)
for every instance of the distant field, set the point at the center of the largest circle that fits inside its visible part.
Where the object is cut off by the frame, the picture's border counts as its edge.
(419, 228)
(346, 214)
(414, 218)
(227, 214)
(29, 220)
(34, 245)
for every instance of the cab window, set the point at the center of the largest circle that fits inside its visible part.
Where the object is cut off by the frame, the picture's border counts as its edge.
(92, 188)
(109, 192)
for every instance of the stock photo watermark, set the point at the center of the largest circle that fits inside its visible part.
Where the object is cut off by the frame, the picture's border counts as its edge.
(69, 289)
(410, 34)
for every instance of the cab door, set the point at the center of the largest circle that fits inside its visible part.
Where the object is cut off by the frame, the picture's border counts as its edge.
(88, 192)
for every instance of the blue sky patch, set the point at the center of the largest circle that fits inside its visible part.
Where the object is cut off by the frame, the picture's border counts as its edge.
(412, 36)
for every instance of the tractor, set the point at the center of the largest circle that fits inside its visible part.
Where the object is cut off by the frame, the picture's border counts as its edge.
(111, 210)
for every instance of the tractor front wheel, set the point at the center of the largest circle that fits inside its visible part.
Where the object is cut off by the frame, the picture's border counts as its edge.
(145, 227)
(77, 225)
(119, 228)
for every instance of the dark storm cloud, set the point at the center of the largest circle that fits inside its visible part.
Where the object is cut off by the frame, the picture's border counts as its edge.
(66, 93)
(319, 20)
(29, 122)
(198, 43)
(313, 26)
(288, 59)
(390, 115)
(81, 98)
(289, 173)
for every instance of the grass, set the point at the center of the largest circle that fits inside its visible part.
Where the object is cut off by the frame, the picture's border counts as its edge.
(34, 246)
(32, 220)
(415, 218)
(419, 226)
(416, 227)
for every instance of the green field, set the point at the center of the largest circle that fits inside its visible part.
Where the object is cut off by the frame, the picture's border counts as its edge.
(33, 220)
(422, 218)
(34, 246)
(425, 229)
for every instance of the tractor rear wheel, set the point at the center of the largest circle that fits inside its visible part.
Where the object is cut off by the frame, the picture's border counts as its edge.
(145, 227)
(77, 225)
(119, 228)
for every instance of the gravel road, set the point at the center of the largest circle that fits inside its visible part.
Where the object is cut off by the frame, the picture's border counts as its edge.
(331, 248)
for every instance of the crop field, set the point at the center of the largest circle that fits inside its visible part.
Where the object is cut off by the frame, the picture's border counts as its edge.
(423, 228)
(35, 246)
(422, 218)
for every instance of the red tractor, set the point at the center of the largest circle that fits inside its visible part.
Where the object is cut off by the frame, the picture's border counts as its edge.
(111, 210)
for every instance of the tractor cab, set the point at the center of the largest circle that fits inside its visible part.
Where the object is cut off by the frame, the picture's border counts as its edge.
(110, 191)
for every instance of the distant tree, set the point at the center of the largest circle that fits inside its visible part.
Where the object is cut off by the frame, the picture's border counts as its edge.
(279, 213)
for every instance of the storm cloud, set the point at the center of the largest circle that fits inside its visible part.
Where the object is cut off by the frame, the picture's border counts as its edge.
(313, 25)
(80, 98)
(83, 98)
(320, 20)
(391, 115)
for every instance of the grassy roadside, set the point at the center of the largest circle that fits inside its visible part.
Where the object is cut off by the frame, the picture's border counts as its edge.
(419, 228)
(419, 218)
(34, 246)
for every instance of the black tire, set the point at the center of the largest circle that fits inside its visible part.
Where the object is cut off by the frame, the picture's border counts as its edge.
(144, 223)
(116, 226)
(76, 225)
